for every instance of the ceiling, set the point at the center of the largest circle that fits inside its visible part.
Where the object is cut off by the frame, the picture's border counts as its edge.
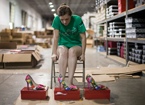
(79, 7)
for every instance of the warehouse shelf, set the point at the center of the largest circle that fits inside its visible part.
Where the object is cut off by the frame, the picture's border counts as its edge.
(137, 40)
(105, 2)
(137, 9)
(116, 39)
(118, 17)
(131, 11)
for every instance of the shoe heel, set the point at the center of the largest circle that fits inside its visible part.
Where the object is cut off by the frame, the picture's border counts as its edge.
(60, 85)
(27, 86)
(89, 86)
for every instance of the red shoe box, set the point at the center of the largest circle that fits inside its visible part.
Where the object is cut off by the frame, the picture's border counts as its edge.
(111, 44)
(34, 94)
(122, 5)
(96, 94)
(66, 95)
(122, 52)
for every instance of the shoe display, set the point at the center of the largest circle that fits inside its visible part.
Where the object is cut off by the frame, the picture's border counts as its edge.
(90, 80)
(73, 87)
(61, 81)
(32, 83)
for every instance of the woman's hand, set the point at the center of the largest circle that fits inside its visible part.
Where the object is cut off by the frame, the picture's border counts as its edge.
(82, 58)
(54, 57)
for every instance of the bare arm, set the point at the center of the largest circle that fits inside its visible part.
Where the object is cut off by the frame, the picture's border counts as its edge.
(55, 42)
(83, 38)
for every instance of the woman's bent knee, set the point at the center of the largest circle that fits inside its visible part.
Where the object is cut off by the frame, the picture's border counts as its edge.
(62, 51)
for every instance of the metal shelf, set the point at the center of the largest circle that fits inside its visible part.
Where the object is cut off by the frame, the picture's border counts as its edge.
(131, 11)
(116, 39)
(138, 40)
(137, 9)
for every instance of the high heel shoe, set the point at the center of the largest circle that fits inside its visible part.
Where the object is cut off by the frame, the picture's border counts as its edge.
(35, 82)
(63, 83)
(73, 87)
(90, 80)
(33, 85)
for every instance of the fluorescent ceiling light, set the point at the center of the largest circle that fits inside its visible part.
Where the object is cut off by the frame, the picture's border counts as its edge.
(51, 6)
(50, 3)
(53, 10)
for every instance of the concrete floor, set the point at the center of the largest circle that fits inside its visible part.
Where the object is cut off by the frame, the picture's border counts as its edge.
(123, 91)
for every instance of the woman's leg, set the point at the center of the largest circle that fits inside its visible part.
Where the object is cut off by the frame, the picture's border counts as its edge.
(62, 52)
(74, 52)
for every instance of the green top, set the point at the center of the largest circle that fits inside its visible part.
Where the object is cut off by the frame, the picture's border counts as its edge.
(69, 35)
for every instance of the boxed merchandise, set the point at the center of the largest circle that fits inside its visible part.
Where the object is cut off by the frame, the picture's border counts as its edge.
(66, 95)
(34, 94)
(143, 61)
(96, 94)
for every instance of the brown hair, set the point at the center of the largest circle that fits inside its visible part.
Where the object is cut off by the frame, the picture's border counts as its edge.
(64, 9)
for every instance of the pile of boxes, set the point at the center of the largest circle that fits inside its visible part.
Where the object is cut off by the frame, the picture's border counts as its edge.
(6, 35)
(23, 56)
(101, 14)
(138, 54)
(135, 27)
(120, 49)
(112, 47)
(116, 29)
(111, 11)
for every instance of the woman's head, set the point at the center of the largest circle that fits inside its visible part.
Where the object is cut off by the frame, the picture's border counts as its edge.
(64, 13)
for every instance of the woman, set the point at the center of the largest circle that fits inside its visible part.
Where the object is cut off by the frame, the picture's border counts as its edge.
(69, 43)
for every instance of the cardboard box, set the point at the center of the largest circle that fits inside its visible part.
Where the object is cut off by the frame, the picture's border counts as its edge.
(1, 59)
(20, 60)
(96, 94)
(34, 94)
(66, 95)
(8, 45)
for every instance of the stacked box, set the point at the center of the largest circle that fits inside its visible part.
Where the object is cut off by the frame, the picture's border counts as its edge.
(119, 48)
(143, 56)
(135, 27)
(111, 44)
(105, 30)
(99, 31)
(101, 14)
(139, 2)
(112, 51)
(137, 54)
(111, 11)
(19, 38)
(112, 47)
(122, 5)
(6, 35)
(116, 29)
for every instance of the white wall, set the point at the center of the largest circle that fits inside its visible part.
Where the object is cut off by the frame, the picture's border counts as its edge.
(19, 5)
(4, 14)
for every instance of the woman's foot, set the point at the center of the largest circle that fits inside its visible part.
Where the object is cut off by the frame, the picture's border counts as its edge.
(92, 81)
(61, 81)
(73, 87)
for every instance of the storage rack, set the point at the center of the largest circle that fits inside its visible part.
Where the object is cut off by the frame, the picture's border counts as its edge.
(122, 15)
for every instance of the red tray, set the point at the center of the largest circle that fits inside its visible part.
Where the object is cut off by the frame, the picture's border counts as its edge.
(33, 94)
(96, 94)
(66, 95)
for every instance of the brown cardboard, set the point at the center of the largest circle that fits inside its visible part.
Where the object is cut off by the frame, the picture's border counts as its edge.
(1, 63)
(17, 58)
(20, 60)
(8, 45)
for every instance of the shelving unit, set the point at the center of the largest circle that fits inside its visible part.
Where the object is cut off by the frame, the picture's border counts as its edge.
(118, 17)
